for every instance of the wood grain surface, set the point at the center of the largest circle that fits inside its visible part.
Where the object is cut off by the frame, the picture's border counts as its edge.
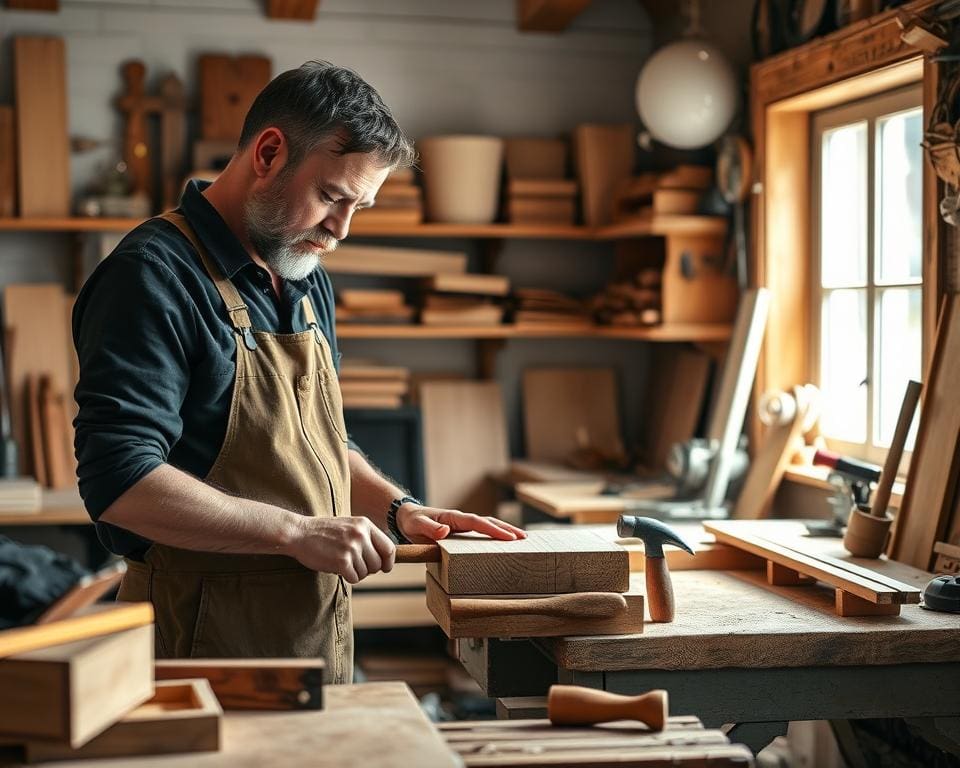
(402, 262)
(735, 619)
(228, 86)
(457, 617)
(8, 162)
(43, 145)
(544, 563)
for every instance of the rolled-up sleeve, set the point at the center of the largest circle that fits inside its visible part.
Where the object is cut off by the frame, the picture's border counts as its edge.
(135, 331)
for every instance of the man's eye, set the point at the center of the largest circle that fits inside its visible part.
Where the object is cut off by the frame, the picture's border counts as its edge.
(326, 198)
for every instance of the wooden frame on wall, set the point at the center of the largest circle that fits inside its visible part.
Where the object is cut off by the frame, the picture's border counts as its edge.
(861, 60)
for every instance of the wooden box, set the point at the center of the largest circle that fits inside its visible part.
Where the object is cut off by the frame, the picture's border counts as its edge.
(72, 692)
(182, 716)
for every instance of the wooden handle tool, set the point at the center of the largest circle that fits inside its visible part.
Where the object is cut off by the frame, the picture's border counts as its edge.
(576, 705)
(881, 497)
(418, 553)
(600, 605)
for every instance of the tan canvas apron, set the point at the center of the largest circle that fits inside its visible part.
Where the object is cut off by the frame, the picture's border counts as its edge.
(285, 444)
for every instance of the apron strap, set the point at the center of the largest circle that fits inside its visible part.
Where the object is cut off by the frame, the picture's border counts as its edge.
(236, 308)
(311, 317)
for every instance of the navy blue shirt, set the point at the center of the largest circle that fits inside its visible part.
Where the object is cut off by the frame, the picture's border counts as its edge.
(158, 354)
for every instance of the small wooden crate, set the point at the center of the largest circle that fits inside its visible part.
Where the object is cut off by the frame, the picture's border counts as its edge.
(182, 716)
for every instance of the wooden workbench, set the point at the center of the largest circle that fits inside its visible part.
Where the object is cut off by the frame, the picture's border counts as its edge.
(741, 651)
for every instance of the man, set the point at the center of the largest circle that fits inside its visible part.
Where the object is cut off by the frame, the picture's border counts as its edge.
(207, 350)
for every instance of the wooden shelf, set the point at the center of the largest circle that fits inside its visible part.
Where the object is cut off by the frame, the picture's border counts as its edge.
(47, 516)
(702, 332)
(657, 226)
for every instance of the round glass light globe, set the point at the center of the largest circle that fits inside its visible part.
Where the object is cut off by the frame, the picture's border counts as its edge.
(687, 94)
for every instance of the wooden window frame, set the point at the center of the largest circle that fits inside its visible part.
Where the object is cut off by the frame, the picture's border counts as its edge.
(861, 60)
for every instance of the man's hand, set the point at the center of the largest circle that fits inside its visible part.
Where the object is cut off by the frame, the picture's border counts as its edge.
(423, 525)
(352, 547)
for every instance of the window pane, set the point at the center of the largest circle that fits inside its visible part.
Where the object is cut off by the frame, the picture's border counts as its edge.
(843, 364)
(843, 213)
(897, 357)
(899, 190)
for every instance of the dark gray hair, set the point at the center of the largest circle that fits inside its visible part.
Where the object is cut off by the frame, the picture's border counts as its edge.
(319, 99)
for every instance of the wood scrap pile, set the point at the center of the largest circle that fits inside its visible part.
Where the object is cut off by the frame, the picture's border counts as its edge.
(463, 299)
(677, 192)
(367, 384)
(538, 191)
(399, 202)
(373, 306)
(535, 306)
(630, 303)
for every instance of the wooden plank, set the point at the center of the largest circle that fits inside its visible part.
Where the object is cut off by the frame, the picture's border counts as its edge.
(32, 313)
(57, 452)
(402, 262)
(92, 622)
(464, 441)
(257, 684)
(43, 144)
(181, 716)
(519, 708)
(8, 162)
(355, 298)
(72, 692)
(567, 409)
(300, 10)
(544, 563)
(934, 465)
(487, 285)
(726, 617)
(752, 536)
(548, 15)
(478, 617)
(228, 86)
(604, 156)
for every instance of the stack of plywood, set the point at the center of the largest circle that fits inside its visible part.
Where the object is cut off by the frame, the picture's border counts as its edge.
(399, 202)
(677, 192)
(373, 306)
(464, 299)
(83, 686)
(630, 302)
(538, 191)
(370, 385)
(540, 306)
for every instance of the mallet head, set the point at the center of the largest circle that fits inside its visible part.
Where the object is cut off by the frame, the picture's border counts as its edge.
(653, 533)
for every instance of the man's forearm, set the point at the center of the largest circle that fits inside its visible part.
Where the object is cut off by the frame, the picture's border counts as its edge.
(370, 492)
(171, 507)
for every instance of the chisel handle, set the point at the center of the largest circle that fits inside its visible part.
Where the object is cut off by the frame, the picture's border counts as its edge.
(582, 605)
(659, 589)
(418, 553)
(576, 705)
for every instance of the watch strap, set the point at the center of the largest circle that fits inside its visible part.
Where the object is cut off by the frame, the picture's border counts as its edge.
(392, 526)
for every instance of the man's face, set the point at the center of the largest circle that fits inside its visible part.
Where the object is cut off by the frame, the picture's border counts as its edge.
(304, 211)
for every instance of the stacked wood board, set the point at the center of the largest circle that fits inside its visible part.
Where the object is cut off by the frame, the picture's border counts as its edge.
(388, 261)
(370, 385)
(399, 202)
(541, 201)
(552, 583)
(793, 561)
(463, 299)
(632, 302)
(541, 306)
(502, 743)
(373, 306)
(677, 192)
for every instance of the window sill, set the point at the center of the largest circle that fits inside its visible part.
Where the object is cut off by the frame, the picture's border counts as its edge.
(816, 477)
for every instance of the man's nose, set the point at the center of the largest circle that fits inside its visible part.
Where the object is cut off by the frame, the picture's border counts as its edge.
(338, 223)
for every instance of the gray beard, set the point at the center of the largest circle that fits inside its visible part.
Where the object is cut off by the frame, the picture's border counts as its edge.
(265, 219)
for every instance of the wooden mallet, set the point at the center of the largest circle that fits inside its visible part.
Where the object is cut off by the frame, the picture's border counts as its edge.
(576, 705)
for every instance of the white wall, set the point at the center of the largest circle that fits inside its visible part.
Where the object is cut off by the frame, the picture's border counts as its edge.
(442, 65)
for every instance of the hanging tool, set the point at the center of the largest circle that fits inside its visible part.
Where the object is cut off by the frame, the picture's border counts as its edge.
(576, 705)
(654, 535)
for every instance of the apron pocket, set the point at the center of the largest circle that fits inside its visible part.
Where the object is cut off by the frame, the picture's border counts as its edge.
(267, 614)
(333, 402)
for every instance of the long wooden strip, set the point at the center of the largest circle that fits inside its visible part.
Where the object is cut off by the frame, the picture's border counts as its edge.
(98, 620)
(381, 260)
(867, 588)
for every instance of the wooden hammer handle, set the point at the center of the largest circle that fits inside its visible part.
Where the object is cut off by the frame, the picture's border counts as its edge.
(659, 589)
(418, 553)
(575, 705)
(575, 605)
(881, 498)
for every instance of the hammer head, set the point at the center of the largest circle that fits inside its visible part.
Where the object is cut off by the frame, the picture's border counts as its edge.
(653, 533)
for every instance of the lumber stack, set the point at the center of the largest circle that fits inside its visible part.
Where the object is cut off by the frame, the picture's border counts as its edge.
(632, 302)
(538, 191)
(370, 385)
(677, 192)
(373, 306)
(541, 306)
(399, 202)
(463, 299)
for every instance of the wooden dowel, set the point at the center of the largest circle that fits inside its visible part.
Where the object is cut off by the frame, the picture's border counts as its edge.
(881, 498)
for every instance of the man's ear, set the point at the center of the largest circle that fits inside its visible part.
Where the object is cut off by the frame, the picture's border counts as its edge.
(270, 153)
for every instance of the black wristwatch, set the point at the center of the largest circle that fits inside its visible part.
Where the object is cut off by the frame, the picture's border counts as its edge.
(392, 518)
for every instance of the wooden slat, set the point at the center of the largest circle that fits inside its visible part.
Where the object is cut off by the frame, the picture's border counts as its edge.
(8, 162)
(489, 285)
(548, 15)
(452, 616)
(403, 262)
(95, 621)
(752, 536)
(932, 481)
(43, 156)
(544, 563)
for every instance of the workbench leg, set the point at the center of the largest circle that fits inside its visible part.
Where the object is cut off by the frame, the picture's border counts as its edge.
(755, 736)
